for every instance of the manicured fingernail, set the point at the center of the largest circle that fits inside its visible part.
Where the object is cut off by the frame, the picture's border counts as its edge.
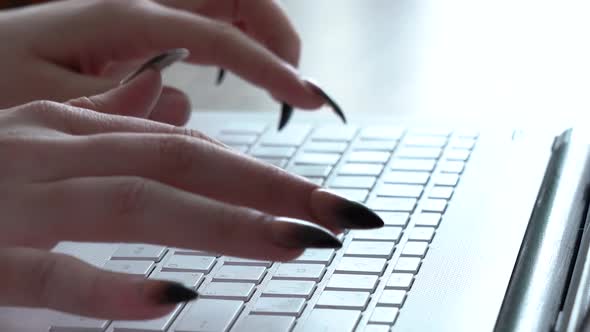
(167, 292)
(299, 234)
(333, 105)
(286, 112)
(220, 76)
(337, 210)
(159, 62)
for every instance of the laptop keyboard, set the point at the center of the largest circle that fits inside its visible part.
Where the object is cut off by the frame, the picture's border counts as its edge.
(407, 176)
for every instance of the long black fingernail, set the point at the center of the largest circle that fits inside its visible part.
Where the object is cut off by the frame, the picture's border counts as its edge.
(286, 112)
(334, 209)
(333, 105)
(299, 234)
(220, 76)
(173, 293)
(159, 62)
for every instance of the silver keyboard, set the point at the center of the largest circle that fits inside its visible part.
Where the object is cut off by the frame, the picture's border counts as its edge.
(407, 176)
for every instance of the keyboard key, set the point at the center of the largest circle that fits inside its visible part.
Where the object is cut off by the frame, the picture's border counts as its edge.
(370, 249)
(359, 195)
(415, 248)
(434, 205)
(289, 288)
(334, 133)
(153, 325)
(233, 139)
(408, 264)
(407, 177)
(422, 234)
(273, 151)
(332, 320)
(432, 131)
(392, 204)
(400, 281)
(284, 306)
(227, 291)
(320, 171)
(421, 165)
(392, 298)
(462, 143)
(142, 252)
(354, 182)
(278, 162)
(353, 282)
(186, 263)
(262, 323)
(369, 157)
(376, 328)
(209, 315)
(441, 192)
(317, 181)
(428, 141)
(451, 166)
(384, 315)
(458, 154)
(190, 252)
(142, 268)
(357, 265)
(188, 279)
(381, 133)
(343, 300)
(316, 256)
(293, 135)
(337, 147)
(418, 152)
(296, 271)
(388, 233)
(385, 145)
(394, 218)
(361, 169)
(427, 219)
(237, 273)
(239, 148)
(72, 323)
(400, 190)
(317, 158)
(446, 179)
(243, 261)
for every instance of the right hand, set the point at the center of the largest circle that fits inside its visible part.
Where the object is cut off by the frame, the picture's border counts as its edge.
(72, 172)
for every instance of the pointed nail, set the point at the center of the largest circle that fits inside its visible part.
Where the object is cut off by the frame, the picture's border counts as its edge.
(286, 112)
(159, 62)
(333, 105)
(168, 292)
(341, 212)
(220, 76)
(299, 234)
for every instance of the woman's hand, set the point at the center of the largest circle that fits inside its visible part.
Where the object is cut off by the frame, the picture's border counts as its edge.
(72, 172)
(67, 49)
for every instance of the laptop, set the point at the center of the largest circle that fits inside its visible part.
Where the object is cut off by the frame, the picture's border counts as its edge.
(485, 230)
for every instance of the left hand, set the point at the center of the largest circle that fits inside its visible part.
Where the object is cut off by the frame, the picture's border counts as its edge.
(67, 49)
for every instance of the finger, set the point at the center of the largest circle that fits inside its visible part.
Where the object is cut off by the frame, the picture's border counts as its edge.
(136, 98)
(264, 20)
(173, 107)
(35, 278)
(122, 209)
(152, 27)
(200, 167)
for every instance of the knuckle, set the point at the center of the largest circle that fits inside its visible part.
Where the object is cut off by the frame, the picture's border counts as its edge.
(174, 154)
(129, 198)
(44, 274)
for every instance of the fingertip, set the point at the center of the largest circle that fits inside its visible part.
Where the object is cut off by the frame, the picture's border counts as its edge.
(173, 107)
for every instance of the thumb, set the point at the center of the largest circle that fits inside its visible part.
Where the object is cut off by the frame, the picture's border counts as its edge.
(136, 97)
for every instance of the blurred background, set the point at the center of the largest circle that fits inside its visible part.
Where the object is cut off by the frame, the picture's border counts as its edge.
(506, 61)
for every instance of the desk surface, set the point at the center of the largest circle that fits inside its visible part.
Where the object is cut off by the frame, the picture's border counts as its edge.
(502, 60)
